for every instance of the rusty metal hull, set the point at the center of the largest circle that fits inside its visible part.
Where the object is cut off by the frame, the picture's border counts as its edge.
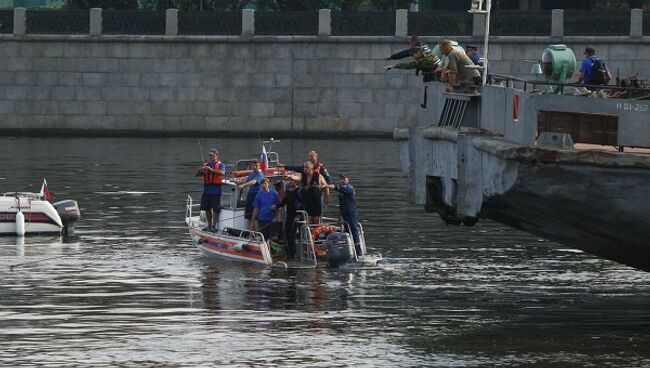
(604, 211)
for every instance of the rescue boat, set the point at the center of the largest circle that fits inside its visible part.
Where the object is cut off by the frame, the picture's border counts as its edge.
(323, 244)
(24, 213)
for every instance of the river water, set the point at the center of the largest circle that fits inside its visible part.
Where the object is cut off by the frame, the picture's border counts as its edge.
(131, 290)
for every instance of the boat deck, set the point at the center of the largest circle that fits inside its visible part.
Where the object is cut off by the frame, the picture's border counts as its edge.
(603, 148)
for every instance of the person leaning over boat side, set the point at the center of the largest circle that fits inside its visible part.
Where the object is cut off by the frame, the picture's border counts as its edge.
(427, 63)
(348, 209)
(265, 205)
(254, 181)
(416, 44)
(293, 200)
(457, 70)
(212, 172)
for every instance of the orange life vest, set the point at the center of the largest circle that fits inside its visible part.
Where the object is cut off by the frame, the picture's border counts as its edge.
(211, 177)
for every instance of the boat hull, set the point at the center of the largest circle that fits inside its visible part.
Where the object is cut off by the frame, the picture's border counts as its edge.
(40, 216)
(225, 246)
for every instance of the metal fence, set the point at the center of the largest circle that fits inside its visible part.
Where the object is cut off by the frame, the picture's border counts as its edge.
(596, 23)
(143, 22)
(134, 22)
(209, 23)
(511, 23)
(363, 23)
(57, 22)
(286, 23)
(440, 23)
(6, 21)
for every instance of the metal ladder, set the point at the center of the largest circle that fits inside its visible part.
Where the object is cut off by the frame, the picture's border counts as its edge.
(453, 111)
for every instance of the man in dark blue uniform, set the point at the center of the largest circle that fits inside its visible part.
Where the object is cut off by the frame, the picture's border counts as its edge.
(348, 209)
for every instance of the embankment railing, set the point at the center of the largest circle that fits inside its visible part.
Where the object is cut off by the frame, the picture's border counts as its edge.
(324, 22)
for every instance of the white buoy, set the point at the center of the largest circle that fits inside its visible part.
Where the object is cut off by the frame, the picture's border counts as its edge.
(20, 224)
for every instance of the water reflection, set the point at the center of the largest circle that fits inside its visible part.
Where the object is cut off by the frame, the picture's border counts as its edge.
(131, 289)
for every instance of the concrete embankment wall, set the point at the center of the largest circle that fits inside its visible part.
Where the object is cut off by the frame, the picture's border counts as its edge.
(298, 86)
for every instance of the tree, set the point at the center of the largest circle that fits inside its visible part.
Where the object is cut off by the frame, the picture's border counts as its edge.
(104, 4)
(391, 4)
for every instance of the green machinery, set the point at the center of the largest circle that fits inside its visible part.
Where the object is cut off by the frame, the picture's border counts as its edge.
(558, 65)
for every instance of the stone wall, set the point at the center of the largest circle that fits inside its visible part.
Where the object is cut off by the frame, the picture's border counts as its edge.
(299, 86)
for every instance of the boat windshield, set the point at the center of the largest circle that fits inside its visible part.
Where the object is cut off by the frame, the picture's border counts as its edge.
(241, 198)
(227, 192)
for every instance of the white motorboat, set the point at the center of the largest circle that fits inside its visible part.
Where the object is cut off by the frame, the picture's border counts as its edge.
(24, 213)
(325, 243)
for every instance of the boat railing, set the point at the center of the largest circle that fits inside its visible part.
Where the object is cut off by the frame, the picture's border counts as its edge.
(244, 234)
(307, 251)
(189, 205)
(28, 195)
(362, 239)
(528, 85)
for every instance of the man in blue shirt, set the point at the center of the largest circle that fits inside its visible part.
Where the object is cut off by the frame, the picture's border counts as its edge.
(212, 172)
(265, 205)
(254, 181)
(475, 56)
(586, 69)
(348, 209)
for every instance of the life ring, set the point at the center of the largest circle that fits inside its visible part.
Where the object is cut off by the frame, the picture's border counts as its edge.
(316, 232)
(241, 173)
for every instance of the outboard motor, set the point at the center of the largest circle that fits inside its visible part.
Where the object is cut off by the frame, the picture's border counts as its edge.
(339, 249)
(69, 213)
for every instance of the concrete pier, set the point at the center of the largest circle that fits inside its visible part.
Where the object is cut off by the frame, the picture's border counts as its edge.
(237, 85)
(591, 199)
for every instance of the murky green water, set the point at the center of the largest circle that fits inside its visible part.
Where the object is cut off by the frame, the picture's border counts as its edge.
(131, 290)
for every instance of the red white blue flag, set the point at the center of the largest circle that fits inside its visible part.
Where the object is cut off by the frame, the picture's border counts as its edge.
(45, 192)
(264, 160)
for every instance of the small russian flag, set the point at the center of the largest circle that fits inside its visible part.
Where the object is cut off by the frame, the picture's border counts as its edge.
(45, 192)
(264, 160)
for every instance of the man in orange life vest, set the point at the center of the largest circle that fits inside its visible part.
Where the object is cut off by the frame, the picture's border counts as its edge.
(212, 172)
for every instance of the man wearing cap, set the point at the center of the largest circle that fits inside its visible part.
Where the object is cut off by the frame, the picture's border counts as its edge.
(457, 70)
(592, 70)
(212, 172)
(348, 209)
(427, 63)
(416, 45)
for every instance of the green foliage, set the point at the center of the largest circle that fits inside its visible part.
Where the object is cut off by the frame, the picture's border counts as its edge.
(345, 5)
(290, 5)
(391, 4)
(104, 4)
